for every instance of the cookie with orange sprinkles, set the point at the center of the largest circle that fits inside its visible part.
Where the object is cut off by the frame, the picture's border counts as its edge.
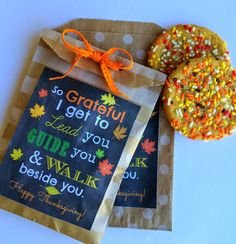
(200, 98)
(184, 42)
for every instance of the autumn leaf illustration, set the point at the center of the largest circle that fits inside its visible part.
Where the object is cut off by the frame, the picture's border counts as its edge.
(154, 113)
(108, 99)
(37, 111)
(105, 168)
(119, 132)
(100, 153)
(148, 146)
(16, 154)
(43, 93)
(51, 190)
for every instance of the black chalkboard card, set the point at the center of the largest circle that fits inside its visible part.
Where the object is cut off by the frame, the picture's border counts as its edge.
(66, 148)
(139, 184)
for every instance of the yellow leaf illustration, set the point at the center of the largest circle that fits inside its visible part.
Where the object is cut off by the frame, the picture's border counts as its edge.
(37, 111)
(119, 132)
(16, 154)
(51, 190)
(154, 113)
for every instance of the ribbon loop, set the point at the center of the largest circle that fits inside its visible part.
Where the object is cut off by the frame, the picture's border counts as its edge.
(104, 58)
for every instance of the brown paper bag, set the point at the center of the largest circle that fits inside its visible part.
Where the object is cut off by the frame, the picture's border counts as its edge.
(66, 175)
(137, 38)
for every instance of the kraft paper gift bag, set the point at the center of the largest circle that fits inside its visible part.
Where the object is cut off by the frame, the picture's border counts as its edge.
(68, 141)
(145, 196)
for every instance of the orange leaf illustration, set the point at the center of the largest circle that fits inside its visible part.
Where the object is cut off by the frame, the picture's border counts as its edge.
(43, 93)
(119, 132)
(148, 146)
(105, 168)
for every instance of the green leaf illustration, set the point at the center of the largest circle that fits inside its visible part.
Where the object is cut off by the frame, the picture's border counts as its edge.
(100, 153)
(108, 99)
(51, 190)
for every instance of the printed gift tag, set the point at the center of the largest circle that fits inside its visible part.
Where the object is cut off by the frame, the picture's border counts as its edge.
(139, 184)
(66, 148)
(142, 201)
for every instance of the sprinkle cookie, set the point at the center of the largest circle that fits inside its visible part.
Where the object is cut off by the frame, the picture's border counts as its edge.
(200, 98)
(183, 42)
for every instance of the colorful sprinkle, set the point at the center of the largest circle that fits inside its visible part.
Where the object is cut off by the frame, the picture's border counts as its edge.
(204, 110)
(183, 42)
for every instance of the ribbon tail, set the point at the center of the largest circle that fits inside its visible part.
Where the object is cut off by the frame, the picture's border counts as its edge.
(110, 82)
(68, 71)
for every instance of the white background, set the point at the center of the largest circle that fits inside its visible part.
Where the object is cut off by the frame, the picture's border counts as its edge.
(204, 200)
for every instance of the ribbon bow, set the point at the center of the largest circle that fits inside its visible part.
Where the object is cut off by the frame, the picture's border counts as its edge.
(103, 58)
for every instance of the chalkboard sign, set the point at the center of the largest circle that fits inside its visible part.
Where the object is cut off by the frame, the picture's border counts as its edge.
(66, 148)
(139, 184)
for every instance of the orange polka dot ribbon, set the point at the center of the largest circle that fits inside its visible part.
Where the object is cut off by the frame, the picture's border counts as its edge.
(101, 57)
